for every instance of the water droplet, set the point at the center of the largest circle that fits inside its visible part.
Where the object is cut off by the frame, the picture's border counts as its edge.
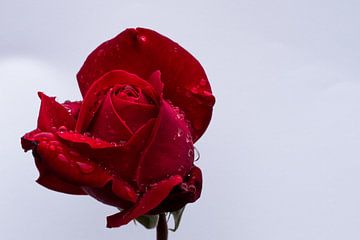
(142, 39)
(195, 90)
(53, 129)
(191, 153)
(52, 148)
(61, 157)
(180, 116)
(85, 167)
(87, 134)
(197, 154)
(62, 129)
(59, 149)
(188, 138)
(175, 49)
(74, 153)
(203, 82)
(180, 132)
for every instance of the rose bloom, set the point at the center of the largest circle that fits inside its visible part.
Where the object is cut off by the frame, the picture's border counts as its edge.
(129, 143)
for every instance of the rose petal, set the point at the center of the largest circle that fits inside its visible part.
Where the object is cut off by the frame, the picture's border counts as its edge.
(108, 125)
(151, 198)
(53, 115)
(134, 114)
(187, 192)
(121, 160)
(97, 93)
(73, 107)
(68, 164)
(143, 51)
(49, 180)
(170, 151)
(155, 81)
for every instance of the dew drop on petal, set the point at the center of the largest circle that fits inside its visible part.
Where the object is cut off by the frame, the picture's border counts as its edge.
(74, 153)
(191, 153)
(142, 39)
(203, 82)
(62, 129)
(197, 154)
(52, 148)
(195, 90)
(61, 157)
(180, 132)
(85, 167)
(188, 138)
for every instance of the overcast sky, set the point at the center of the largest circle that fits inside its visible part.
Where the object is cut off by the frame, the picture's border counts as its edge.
(281, 157)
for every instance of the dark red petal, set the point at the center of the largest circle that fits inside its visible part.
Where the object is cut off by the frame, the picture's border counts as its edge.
(155, 81)
(143, 51)
(107, 124)
(134, 114)
(73, 108)
(28, 140)
(187, 192)
(121, 160)
(170, 151)
(53, 115)
(51, 181)
(68, 164)
(97, 93)
(151, 198)
(123, 190)
(106, 195)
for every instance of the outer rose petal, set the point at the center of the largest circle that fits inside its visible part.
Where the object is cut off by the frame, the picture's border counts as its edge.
(67, 163)
(53, 115)
(143, 51)
(187, 192)
(47, 178)
(107, 124)
(153, 197)
(73, 107)
(170, 150)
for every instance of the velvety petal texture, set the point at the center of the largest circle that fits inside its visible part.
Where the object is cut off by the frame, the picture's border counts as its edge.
(129, 142)
(142, 51)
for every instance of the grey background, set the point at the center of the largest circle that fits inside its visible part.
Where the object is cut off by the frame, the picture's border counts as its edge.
(281, 156)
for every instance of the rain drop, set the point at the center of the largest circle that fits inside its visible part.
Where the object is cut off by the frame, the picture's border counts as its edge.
(180, 132)
(203, 82)
(62, 129)
(142, 38)
(52, 148)
(188, 138)
(191, 153)
(195, 90)
(61, 157)
(197, 154)
(85, 167)
(76, 154)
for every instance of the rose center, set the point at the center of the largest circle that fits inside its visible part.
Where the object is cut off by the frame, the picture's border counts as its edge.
(127, 91)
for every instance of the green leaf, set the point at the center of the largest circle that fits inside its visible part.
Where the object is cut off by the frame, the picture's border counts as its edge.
(148, 221)
(177, 218)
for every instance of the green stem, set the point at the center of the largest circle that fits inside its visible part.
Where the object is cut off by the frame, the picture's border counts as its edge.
(162, 228)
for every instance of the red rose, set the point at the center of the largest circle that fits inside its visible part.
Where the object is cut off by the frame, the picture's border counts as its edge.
(129, 143)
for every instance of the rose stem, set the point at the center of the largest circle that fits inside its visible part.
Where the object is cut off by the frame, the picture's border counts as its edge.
(162, 228)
